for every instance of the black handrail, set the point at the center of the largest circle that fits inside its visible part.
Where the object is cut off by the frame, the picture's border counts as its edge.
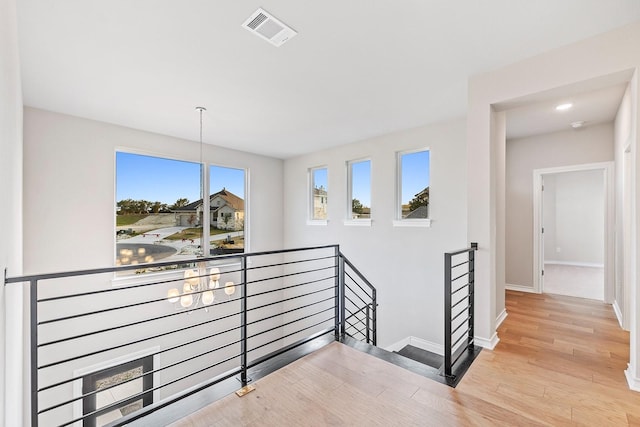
(464, 302)
(298, 296)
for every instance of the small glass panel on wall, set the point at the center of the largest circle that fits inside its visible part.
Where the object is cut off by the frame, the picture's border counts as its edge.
(414, 184)
(158, 212)
(228, 210)
(359, 189)
(319, 193)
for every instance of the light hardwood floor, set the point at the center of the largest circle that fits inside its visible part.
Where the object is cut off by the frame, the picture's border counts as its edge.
(560, 361)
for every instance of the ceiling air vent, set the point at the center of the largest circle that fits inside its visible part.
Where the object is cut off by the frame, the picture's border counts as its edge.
(268, 27)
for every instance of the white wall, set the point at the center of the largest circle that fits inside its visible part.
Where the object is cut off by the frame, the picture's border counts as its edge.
(69, 184)
(622, 138)
(573, 208)
(588, 145)
(11, 297)
(69, 223)
(405, 264)
(602, 55)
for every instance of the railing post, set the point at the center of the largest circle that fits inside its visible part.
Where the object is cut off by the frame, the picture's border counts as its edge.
(447, 314)
(337, 293)
(472, 257)
(243, 323)
(367, 325)
(374, 318)
(33, 314)
(343, 314)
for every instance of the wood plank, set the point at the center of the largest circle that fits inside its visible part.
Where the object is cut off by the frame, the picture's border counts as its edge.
(560, 361)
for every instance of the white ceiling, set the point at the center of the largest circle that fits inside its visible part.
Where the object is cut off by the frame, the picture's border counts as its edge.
(592, 108)
(356, 69)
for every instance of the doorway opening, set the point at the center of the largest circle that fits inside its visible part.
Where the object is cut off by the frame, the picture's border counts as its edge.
(573, 229)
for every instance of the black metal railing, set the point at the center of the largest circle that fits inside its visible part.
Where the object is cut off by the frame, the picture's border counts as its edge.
(359, 307)
(458, 306)
(186, 331)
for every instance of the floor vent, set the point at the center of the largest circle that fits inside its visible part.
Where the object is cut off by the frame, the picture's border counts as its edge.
(268, 27)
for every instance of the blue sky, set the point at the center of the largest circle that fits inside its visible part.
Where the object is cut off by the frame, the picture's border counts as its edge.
(415, 174)
(361, 182)
(164, 180)
(156, 179)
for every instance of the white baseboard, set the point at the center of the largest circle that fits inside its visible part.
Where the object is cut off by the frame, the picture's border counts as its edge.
(574, 264)
(634, 383)
(416, 342)
(397, 346)
(618, 312)
(519, 288)
(501, 318)
(489, 344)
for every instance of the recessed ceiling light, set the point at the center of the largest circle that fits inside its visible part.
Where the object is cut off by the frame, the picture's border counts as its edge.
(578, 124)
(564, 107)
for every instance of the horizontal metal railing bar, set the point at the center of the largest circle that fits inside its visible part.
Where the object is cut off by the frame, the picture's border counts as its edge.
(102, 291)
(351, 314)
(357, 284)
(291, 311)
(286, 348)
(289, 323)
(147, 410)
(458, 315)
(460, 288)
(185, 311)
(460, 276)
(290, 287)
(289, 299)
(461, 300)
(289, 262)
(158, 352)
(464, 322)
(355, 270)
(461, 353)
(458, 265)
(114, 405)
(121, 307)
(351, 301)
(291, 274)
(134, 342)
(460, 251)
(288, 335)
(356, 328)
(87, 272)
(464, 335)
(91, 393)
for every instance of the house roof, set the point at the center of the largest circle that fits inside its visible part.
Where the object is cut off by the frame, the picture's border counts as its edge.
(419, 213)
(230, 199)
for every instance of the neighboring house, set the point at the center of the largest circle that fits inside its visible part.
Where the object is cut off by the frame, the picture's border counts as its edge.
(226, 212)
(421, 211)
(319, 203)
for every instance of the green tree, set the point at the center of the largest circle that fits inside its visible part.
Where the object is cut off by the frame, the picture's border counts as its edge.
(356, 206)
(180, 203)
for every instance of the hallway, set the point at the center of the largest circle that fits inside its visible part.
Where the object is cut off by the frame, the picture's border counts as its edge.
(560, 361)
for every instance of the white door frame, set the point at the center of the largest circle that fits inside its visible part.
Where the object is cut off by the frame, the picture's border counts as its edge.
(609, 227)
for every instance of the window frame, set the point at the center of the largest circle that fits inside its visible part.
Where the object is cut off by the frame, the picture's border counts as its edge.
(311, 220)
(205, 169)
(349, 221)
(399, 221)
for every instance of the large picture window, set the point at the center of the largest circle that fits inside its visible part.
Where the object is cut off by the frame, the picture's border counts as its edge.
(413, 186)
(161, 215)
